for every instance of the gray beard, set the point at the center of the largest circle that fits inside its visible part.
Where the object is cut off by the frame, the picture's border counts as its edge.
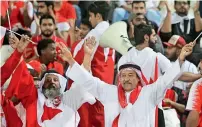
(51, 93)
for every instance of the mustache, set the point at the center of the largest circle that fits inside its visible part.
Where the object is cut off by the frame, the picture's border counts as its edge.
(127, 82)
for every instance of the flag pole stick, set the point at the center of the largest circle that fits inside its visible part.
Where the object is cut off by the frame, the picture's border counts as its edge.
(20, 36)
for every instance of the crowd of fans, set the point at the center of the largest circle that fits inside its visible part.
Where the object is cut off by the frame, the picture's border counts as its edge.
(169, 26)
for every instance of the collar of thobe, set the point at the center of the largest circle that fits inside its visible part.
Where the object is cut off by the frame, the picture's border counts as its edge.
(96, 32)
(179, 19)
(132, 97)
(123, 100)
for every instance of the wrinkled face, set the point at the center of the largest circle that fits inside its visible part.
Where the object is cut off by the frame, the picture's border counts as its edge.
(92, 19)
(171, 53)
(140, 19)
(47, 27)
(84, 29)
(50, 52)
(139, 8)
(42, 8)
(182, 8)
(129, 79)
(51, 87)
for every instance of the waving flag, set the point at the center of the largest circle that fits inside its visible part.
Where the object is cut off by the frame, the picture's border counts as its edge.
(4, 7)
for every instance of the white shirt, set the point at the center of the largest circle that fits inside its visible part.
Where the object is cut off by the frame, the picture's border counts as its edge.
(188, 67)
(137, 115)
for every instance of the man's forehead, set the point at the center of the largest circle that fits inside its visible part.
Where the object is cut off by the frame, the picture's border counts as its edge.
(51, 76)
(128, 70)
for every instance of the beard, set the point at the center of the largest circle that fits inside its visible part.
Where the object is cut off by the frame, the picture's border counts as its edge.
(44, 33)
(51, 92)
(182, 13)
(173, 57)
(152, 45)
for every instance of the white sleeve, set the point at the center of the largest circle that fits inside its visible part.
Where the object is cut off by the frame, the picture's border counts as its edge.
(33, 27)
(99, 89)
(63, 26)
(158, 89)
(163, 62)
(194, 69)
(76, 96)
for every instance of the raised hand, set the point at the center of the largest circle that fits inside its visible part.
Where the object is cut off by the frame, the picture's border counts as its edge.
(64, 52)
(24, 41)
(167, 6)
(196, 6)
(187, 50)
(89, 45)
(13, 41)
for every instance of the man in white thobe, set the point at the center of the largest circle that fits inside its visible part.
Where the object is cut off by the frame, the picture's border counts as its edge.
(130, 104)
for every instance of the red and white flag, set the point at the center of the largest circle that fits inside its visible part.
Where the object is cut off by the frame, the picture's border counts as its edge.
(4, 7)
(2, 34)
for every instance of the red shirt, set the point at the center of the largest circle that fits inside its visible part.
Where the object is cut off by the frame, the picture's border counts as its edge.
(29, 51)
(54, 65)
(8, 108)
(67, 11)
(15, 17)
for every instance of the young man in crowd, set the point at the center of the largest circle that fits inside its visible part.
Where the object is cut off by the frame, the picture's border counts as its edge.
(46, 49)
(61, 24)
(140, 7)
(102, 58)
(47, 26)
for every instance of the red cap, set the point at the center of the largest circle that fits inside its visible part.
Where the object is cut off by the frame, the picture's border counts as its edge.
(176, 40)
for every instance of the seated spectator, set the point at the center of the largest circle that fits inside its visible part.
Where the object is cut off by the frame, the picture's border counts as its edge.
(44, 8)
(122, 11)
(46, 49)
(140, 7)
(174, 47)
(47, 26)
(137, 19)
(180, 23)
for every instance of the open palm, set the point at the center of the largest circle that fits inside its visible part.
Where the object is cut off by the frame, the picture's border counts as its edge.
(89, 45)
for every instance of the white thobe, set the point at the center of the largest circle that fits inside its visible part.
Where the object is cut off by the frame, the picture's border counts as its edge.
(137, 115)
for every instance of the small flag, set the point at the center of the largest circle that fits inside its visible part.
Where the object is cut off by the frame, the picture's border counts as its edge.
(4, 7)
(2, 34)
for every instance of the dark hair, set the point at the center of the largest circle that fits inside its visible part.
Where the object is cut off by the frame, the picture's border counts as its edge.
(87, 23)
(47, 3)
(43, 44)
(140, 31)
(137, 2)
(188, 1)
(100, 7)
(49, 71)
(47, 16)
